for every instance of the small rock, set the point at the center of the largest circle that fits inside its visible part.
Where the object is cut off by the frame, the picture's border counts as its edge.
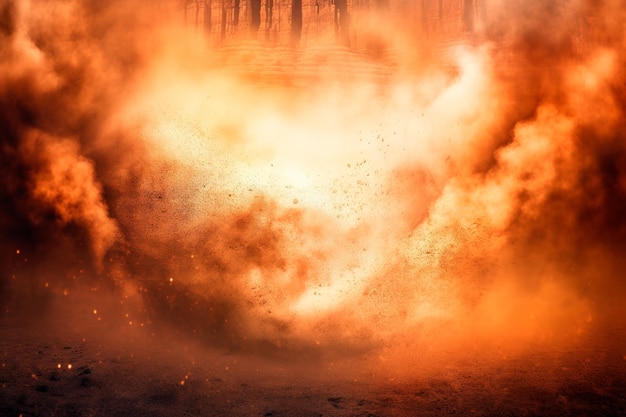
(85, 371)
(335, 401)
(42, 388)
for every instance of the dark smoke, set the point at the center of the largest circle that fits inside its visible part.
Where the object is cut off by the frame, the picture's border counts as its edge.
(574, 68)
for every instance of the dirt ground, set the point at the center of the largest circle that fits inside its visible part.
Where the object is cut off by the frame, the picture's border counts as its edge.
(65, 367)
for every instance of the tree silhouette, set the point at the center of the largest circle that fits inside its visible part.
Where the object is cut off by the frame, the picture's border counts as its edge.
(197, 22)
(236, 13)
(296, 21)
(342, 21)
(269, 14)
(223, 26)
(207, 16)
(255, 12)
(469, 15)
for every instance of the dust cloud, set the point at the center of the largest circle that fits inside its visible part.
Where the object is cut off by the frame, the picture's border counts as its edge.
(315, 201)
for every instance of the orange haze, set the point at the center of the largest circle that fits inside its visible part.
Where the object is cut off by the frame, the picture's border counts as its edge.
(318, 200)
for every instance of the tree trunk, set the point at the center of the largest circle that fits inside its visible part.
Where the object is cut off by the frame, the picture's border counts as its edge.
(197, 14)
(296, 21)
(342, 21)
(207, 17)
(269, 8)
(223, 28)
(255, 23)
(236, 13)
(468, 12)
(481, 13)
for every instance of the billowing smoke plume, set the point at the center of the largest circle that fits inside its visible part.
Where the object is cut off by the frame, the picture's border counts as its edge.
(274, 199)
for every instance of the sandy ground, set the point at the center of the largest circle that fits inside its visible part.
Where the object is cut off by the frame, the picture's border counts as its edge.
(64, 367)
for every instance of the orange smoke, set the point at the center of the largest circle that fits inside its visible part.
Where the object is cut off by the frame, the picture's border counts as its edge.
(267, 199)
